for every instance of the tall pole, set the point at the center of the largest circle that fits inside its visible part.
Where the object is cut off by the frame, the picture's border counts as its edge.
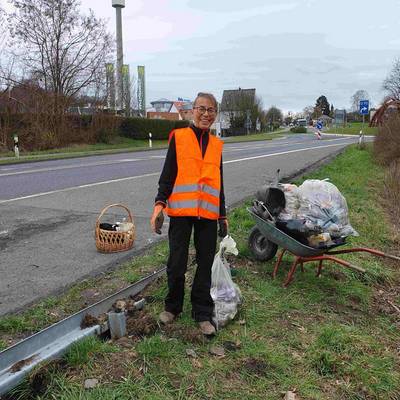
(119, 5)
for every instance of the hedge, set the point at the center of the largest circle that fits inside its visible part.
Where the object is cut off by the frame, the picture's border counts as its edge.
(46, 131)
(139, 128)
(299, 129)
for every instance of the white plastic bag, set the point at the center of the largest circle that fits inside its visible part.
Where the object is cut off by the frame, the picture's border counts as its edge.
(292, 200)
(225, 293)
(324, 205)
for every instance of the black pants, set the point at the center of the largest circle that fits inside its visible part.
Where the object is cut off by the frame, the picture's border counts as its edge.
(205, 239)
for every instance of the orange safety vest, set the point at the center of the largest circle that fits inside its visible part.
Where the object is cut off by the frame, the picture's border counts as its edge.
(198, 182)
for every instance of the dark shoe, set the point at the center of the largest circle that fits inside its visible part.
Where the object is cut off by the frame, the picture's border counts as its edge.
(166, 317)
(207, 328)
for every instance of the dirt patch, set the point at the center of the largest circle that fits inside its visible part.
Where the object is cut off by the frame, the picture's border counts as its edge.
(255, 366)
(184, 333)
(336, 275)
(116, 366)
(40, 378)
(384, 301)
(141, 324)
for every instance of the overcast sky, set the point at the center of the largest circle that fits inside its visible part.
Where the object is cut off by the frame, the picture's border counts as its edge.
(291, 51)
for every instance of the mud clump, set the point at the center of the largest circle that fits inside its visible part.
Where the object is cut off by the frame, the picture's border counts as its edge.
(88, 321)
(141, 324)
(21, 364)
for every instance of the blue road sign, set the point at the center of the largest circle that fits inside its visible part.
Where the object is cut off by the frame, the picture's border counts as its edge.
(364, 107)
(319, 125)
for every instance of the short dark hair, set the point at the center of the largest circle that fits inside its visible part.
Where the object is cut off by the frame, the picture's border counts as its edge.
(208, 96)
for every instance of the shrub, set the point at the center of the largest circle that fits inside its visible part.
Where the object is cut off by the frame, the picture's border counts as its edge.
(299, 129)
(387, 141)
(392, 188)
(139, 128)
(387, 152)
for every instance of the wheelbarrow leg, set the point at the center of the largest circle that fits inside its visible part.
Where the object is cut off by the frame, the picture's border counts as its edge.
(292, 271)
(319, 268)
(278, 263)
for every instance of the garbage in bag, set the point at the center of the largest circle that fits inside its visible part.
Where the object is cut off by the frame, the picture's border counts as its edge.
(292, 201)
(315, 214)
(322, 203)
(225, 293)
(299, 229)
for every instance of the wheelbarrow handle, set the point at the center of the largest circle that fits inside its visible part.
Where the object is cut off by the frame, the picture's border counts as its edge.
(391, 257)
(355, 268)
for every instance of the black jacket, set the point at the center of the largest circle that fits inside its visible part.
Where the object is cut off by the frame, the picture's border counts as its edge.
(170, 171)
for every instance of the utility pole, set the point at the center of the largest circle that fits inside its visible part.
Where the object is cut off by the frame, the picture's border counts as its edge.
(119, 5)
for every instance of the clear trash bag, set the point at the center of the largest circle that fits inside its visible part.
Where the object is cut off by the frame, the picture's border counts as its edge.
(292, 198)
(224, 292)
(323, 205)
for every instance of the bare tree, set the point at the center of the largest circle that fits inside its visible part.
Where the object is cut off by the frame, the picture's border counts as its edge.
(392, 83)
(308, 111)
(64, 50)
(357, 97)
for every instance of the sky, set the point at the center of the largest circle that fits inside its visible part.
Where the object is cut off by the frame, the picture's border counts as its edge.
(290, 51)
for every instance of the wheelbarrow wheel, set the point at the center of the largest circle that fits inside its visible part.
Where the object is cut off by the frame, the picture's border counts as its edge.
(261, 248)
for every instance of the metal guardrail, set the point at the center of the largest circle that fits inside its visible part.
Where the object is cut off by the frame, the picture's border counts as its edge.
(19, 359)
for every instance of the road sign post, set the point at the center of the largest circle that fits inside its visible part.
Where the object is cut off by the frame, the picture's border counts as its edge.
(364, 110)
(319, 128)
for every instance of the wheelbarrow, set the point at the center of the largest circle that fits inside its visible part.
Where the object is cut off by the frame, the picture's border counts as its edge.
(265, 238)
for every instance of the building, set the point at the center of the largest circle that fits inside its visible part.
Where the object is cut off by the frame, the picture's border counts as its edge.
(237, 103)
(171, 110)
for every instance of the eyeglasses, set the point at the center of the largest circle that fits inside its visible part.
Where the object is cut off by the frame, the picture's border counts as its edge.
(202, 110)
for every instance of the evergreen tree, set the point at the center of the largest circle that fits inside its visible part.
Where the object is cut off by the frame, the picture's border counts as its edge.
(322, 106)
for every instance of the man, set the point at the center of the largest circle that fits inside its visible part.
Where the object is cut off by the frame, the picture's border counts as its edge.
(192, 193)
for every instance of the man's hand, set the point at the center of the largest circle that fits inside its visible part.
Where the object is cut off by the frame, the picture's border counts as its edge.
(157, 219)
(223, 227)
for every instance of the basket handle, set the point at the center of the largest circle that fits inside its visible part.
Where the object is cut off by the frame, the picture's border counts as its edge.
(114, 205)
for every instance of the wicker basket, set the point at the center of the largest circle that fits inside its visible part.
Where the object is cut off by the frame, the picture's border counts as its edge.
(114, 241)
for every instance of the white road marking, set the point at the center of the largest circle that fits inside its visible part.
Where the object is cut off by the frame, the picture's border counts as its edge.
(31, 196)
(72, 166)
(158, 173)
(281, 153)
(250, 147)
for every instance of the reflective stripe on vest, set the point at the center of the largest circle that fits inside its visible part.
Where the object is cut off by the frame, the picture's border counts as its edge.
(196, 190)
(203, 204)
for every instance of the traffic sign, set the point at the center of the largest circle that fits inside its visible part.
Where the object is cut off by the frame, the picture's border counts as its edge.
(319, 125)
(364, 107)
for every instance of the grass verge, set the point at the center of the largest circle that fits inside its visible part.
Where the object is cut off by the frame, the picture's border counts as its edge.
(354, 128)
(333, 337)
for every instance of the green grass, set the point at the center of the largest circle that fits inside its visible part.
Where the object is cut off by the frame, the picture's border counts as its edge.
(354, 128)
(255, 137)
(326, 337)
(81, 353)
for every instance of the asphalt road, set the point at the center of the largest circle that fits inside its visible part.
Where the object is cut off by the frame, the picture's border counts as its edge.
(48, 209)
